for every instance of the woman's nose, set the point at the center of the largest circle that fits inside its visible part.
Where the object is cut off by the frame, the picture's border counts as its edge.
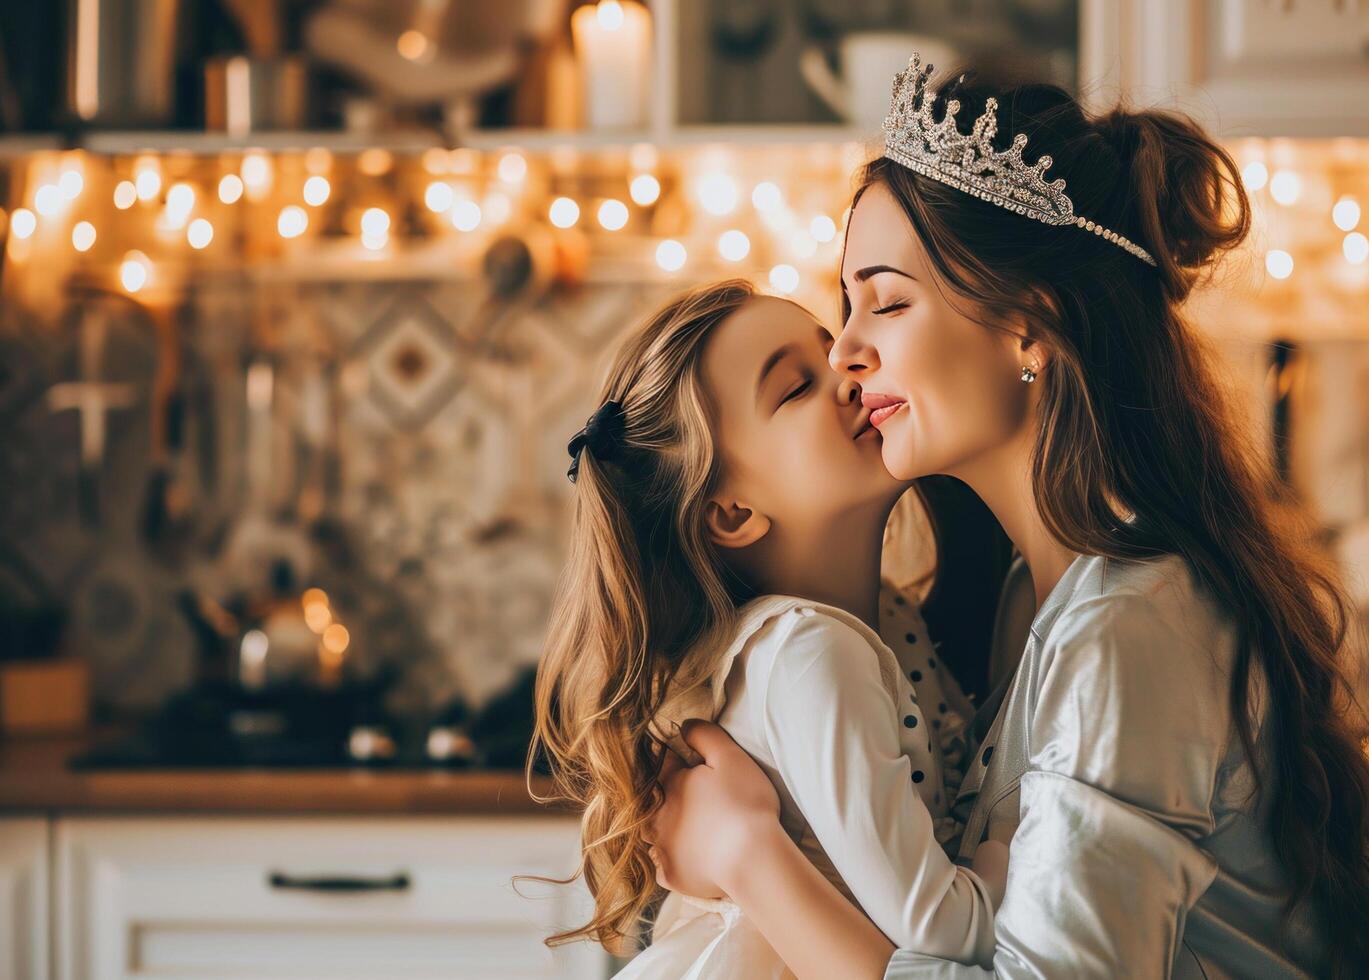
(851, 356)
(848, 391)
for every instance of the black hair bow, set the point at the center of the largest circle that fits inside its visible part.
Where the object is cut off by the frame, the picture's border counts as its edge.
(601, 435)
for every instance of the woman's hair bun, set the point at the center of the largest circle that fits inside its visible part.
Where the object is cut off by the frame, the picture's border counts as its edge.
(1186, 192)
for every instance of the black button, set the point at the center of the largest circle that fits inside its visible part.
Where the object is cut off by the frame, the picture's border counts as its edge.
(910, 721)
(917, 776)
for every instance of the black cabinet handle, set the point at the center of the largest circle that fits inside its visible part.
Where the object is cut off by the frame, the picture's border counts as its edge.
(341, 883)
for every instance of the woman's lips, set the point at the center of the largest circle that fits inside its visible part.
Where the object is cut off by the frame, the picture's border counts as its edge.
(882, 407)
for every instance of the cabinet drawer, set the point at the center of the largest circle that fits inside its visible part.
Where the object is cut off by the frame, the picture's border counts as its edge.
(291, 897)
(23, 898)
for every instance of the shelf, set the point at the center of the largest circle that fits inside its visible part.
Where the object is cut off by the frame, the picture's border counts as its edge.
(114, 143)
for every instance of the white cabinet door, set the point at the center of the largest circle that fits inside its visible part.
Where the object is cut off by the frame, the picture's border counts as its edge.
(187, 897)
(23, 899)
(1243, 67)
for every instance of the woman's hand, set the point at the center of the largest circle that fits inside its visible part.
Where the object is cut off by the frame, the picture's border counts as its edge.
(711, 814)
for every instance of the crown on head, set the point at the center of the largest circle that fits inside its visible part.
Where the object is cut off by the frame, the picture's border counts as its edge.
(971, 164)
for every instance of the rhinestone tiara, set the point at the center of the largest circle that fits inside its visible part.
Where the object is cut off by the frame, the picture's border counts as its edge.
(971, 164)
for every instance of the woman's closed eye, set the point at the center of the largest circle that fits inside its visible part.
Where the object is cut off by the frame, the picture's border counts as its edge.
(891, 308)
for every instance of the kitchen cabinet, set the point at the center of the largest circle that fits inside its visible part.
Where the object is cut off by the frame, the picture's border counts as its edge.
(23, 898)
(190, 897)
(1243, 67)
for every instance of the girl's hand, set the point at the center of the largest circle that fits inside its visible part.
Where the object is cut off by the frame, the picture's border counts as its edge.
(711, 814)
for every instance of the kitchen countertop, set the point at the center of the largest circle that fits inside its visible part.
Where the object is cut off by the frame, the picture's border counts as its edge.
(34, 777)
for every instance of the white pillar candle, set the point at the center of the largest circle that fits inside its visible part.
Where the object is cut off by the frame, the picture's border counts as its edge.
(613, 47)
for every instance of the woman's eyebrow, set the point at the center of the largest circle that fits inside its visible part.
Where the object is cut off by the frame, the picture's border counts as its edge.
(874, 270)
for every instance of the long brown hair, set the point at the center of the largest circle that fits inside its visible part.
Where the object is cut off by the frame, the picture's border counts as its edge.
(641, 588)
(1134, 424)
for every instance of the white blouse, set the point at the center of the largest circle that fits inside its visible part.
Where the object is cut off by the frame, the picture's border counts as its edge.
(831, 715)
(1138, 847)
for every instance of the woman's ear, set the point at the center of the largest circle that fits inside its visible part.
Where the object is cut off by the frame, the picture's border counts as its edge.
(732, 524)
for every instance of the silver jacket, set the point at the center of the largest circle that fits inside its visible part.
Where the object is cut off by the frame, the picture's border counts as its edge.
(1139, 848)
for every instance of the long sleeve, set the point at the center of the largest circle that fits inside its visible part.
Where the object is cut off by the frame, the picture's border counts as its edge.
(1129, 728)
(832, 729)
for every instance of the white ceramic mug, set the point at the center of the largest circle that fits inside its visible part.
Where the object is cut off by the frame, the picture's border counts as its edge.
(869, 62)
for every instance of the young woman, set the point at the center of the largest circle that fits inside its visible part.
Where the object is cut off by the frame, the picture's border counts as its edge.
(731, 503)
(1173, 760)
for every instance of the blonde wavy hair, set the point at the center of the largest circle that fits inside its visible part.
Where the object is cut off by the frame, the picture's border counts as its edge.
(641, 588)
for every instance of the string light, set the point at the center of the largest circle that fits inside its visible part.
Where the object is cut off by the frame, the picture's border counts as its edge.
(375, 161)
(439, 196)
(47, 199)
(822, 228)
(717, 193)
(1346, 213)
(497, 208)
(317, 159)
(645, 189)
(23, 223)
(413, 45)
(1284, 187)
(1355, 248)
(563, 212)
(230, 189)
(82, 236)
(512, 168)
(1255, 175)
(613, 214)
(375, 229)
(316, 191)
(133, 273)
(466, 216)
(292, 221)
(336, 638)
(1279, 264)
(125, 194)
(180, 200)
(200, 233)
(766, 196)
(256, 173)
(71, 183)
(733, 245)
(147, 179)
(784, 278)
(671, 255)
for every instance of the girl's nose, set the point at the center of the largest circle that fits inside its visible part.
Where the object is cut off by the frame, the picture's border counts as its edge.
(848, 391)
(851, 356)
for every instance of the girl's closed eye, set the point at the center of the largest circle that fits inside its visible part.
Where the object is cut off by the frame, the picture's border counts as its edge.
(797, 391)
(891, 308)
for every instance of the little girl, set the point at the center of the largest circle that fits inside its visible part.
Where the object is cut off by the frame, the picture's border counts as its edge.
(725, 563)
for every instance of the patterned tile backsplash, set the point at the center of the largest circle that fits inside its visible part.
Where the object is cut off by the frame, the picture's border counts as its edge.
(398, 444)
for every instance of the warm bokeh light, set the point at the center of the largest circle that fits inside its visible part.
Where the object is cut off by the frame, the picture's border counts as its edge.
(822, 228)
(613, 215)
(256, 171)
(125, 194)
(316, 191)
(766, 196)
(336, 638)
(1279, 264)
(784, 279)
(292, 221)
(563, 212)
(82, 236)
(1346, 213)
(465, 216)
(645, 189)
(733, 245)
(200, 233)
(230, 189)
(413, 45)
(133, 271)
(1255, 175)
(1285, 187)
(317, 616)
(23, 223)
(374, 223)
(47, 199)
(609, 14)
(439, 196)
(147, 180)
(1355, 248)
(498, 208)
(375, 161)
(671, 255)
(71, 183)
(512, 168)
(717, 193)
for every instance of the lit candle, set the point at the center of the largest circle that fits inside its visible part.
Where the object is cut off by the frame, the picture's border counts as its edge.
(613, 46)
